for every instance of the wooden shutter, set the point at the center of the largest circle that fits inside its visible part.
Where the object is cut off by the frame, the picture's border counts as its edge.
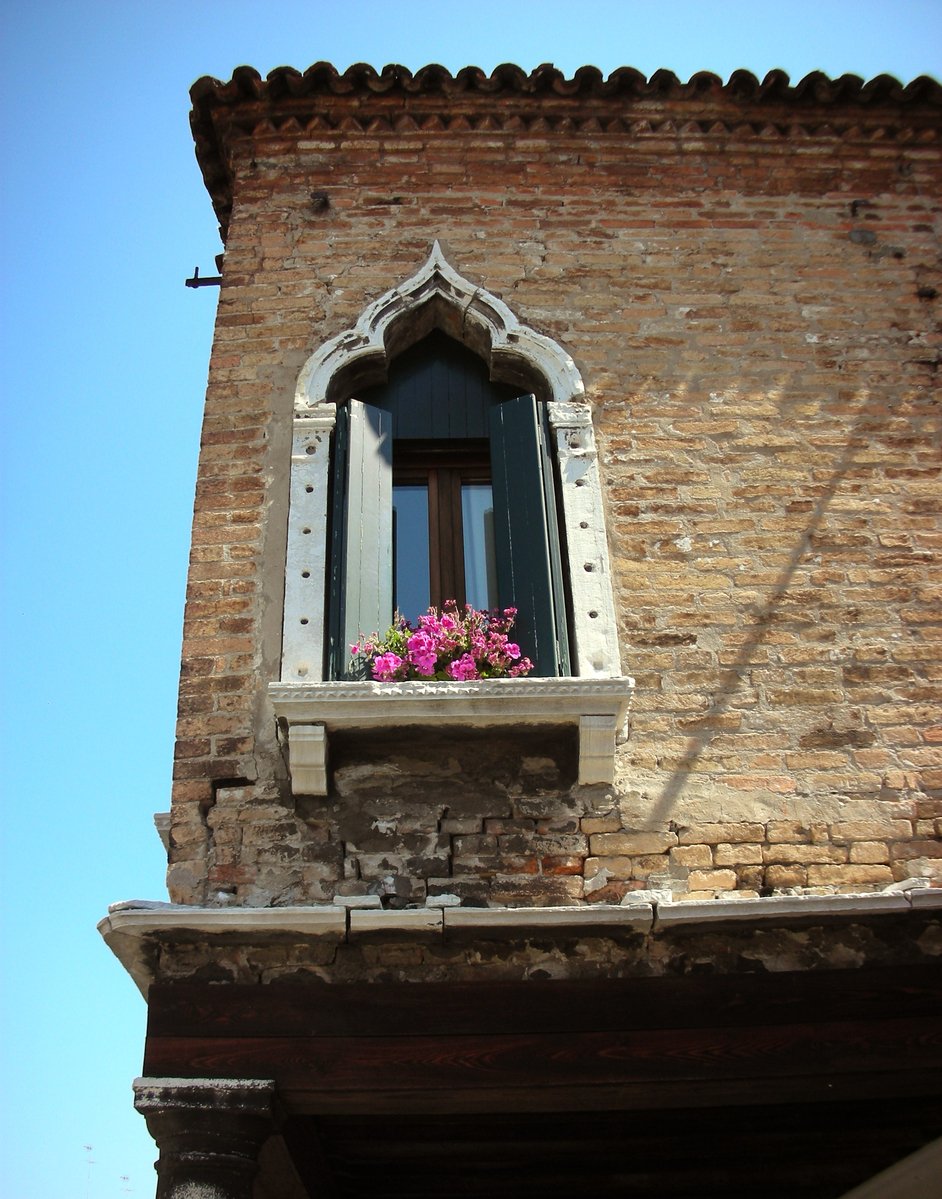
(361, 530)
(526, 532)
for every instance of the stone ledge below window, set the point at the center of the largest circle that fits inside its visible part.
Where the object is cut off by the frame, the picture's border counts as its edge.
(309, 712)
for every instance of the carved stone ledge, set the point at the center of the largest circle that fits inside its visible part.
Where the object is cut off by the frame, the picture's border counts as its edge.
(309, 712)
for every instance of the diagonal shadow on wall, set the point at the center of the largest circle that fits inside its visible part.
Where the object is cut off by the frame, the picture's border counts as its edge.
(871, 414)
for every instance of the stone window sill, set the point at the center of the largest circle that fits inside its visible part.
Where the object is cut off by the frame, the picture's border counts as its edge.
(309, 712)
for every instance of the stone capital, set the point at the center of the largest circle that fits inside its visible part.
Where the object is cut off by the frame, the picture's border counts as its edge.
(208, 1131)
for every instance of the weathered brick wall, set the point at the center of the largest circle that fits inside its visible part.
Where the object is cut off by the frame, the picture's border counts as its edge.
(761, 354)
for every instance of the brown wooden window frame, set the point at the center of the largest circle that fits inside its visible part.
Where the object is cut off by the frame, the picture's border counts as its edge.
(444, 467)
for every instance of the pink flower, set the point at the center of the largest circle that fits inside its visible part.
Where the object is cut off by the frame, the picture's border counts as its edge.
(423, 653)
(454, 644)
(429, 622)
(386, 667)
(463, 669)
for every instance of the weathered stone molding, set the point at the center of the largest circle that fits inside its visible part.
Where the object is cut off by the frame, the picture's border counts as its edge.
(531, 694)
(130, 928)
(134, 929)
(598, 708)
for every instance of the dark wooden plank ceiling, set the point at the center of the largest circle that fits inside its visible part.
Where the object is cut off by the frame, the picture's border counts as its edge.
(778, 1152)
(787, 1083)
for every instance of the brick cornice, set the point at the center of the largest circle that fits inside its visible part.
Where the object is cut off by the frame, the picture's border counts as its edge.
(289, 104)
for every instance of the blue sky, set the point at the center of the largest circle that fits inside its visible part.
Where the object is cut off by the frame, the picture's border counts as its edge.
(102, 216)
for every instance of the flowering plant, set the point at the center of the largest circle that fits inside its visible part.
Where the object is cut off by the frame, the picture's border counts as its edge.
(447, 645)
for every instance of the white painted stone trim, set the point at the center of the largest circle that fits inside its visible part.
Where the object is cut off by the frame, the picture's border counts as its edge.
(597, 707)
(782, 907)
(302, 651)
(514, 349)
(595, 651)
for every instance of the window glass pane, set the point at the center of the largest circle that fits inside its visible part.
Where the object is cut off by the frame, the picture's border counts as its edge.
(410, 549)
(480, 570)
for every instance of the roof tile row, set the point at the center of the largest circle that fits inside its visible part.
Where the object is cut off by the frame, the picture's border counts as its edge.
(817, 88)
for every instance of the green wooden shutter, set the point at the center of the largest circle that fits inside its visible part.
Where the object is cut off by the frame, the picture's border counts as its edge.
(361, 530)
(526, 532)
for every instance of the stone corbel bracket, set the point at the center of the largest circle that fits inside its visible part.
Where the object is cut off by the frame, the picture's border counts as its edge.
(309, 713)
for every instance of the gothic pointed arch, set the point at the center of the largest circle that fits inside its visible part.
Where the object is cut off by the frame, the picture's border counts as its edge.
(437, 296)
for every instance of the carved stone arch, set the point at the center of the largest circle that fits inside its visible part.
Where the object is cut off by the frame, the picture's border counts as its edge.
(436, 296)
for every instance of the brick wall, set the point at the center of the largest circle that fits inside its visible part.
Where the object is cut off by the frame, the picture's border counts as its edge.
(761, 353)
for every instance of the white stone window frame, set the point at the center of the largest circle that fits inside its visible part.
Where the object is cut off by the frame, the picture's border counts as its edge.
(307, 706)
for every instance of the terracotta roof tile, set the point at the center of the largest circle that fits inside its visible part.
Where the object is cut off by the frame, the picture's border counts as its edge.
(247, 83)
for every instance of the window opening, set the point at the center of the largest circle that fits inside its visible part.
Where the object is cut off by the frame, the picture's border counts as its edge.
(480, 562)
(411, 580)
(471, 508)
(443, 526)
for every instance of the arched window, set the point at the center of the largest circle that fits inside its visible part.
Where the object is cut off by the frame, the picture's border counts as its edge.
(444, 488)
(363, 436)
(545, 440)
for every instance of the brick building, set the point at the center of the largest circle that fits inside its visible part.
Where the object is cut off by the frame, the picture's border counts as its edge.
(667, 911)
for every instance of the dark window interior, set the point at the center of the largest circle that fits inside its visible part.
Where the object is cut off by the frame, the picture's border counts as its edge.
(438, 390)
(439, 395)
(444, 488)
